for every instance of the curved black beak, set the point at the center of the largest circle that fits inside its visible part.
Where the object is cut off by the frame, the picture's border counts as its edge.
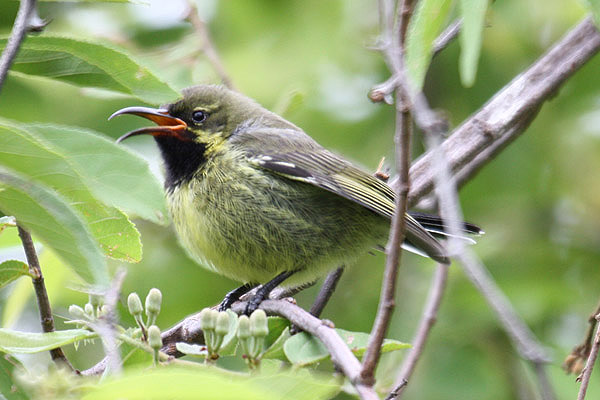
(167, 124)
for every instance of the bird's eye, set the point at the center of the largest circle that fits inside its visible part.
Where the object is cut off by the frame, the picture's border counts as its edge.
(199, 116)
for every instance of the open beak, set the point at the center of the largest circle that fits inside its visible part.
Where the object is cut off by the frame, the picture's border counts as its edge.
(167, 124)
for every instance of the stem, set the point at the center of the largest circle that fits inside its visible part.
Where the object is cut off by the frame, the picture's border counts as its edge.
(41, 294)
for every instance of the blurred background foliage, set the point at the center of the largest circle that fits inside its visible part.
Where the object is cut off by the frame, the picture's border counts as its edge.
(539, 201)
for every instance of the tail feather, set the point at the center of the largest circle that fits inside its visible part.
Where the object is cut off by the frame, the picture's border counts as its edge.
(435, 224)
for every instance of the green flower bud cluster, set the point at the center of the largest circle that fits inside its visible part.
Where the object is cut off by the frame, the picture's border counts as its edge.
(251, 335)
(215, 325)
(93, 310)
(153, 304)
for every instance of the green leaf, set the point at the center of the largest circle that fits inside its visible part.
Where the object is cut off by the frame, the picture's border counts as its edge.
(174, 382)
(275, 349)
(8, 384)
(43, 162)
(425, 25)
(594, 6)
(29, 342)
(89, 64)
(11, 270)
(115, 175)
(470, 38)
(305, 349)
(49, 216)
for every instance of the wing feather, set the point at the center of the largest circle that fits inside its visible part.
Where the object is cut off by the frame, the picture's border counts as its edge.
(328, 171)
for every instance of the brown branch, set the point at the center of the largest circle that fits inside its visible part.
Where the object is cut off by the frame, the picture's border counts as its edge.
(41, 294)
(503, 116)
(434, 299)
(402, 139)
(208, 48)
(585, 375)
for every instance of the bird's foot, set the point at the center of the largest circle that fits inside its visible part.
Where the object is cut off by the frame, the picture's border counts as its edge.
(234, 296)
(254, 302)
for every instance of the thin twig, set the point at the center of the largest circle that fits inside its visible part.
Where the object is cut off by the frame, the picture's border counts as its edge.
(585, 375)
(208, 47)
(394, 394)
(40, 293)
(19, 30)
(402, 138)
(434, 299)
(447, 36)
(326, 291)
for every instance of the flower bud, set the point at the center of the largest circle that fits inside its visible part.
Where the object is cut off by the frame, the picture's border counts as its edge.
(76, 311)
(222, 326)
(208, 319)
(134, 304)
(243, 331)
(89, 310)
(153, 302)
(154, 339)
(258, 323)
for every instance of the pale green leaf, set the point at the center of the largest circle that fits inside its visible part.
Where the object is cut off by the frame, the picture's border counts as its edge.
(49, 216)
(425, 25)
(28, 342)
(11, 270)
(115, 175)
(470, 38)
(90, 64)
(211, 384)
(42, 161)
(304, 349)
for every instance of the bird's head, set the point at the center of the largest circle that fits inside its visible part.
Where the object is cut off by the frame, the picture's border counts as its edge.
(206, 114)
(195, 128)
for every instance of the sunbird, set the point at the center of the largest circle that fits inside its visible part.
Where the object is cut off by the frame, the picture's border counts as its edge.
(256, 199)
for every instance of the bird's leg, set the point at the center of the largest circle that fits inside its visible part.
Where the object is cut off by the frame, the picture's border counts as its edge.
(263, 292)
(235, 295)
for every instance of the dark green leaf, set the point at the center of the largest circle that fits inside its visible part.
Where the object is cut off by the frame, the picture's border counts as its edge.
(89, 64)
(424, 27)
(29, 342)
(470, 37)
(49, 216)
(11, 270)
